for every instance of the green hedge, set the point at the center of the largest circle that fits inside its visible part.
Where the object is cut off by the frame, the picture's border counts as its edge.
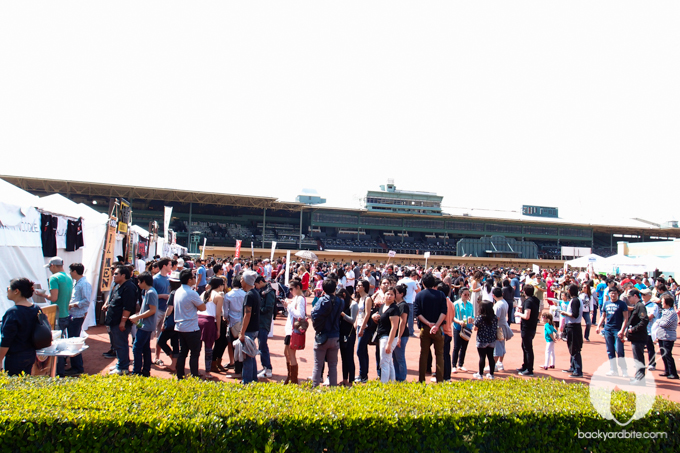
(121, 414)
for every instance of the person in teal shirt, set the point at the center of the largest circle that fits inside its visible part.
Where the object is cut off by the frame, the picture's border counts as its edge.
(550, 337)
(61, 287)
(463, 313)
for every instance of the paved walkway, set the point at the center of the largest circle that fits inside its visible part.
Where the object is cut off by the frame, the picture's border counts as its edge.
(594, 355)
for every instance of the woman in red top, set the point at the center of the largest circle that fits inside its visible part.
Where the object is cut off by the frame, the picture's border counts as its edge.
(304, 279)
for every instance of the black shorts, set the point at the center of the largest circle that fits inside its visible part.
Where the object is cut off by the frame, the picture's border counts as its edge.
(286, 340)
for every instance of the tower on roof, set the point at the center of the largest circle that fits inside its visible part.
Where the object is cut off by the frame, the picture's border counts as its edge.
(389, 199)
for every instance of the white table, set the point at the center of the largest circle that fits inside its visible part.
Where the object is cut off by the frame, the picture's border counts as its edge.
(65, 353)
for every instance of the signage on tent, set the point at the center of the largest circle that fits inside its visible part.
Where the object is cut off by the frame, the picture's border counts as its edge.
(107, 272)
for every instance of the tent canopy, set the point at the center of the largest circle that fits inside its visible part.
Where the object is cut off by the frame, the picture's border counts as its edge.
(584, 261)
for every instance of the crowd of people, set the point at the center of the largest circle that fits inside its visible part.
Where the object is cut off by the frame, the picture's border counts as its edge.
(228, 306)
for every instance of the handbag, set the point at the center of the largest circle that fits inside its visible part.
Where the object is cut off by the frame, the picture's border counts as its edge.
(500, 336)
(297, 340)
(465, 333)
(320, 338)
(42, 333)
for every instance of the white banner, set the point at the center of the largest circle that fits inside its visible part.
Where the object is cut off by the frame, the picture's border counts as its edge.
(252, 249)
(392, 254)
(25, 233)
(166, 221)
(273, 248)
(205, 240)
(426, 255)
(536, 268)
(287, 266)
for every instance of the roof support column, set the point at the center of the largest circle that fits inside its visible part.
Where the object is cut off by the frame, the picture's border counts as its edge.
(264, 224)
(300, 243)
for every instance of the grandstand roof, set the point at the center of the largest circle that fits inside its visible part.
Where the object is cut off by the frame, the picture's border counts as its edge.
(185, 196)
(94, 189)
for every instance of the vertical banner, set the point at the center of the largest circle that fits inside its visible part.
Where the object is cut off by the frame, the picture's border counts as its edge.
(536, 268)
(252, 250)
(287, 266)
(205, 240)
(237, 253)
(271, 258)
(109, 245)
(426, 255)
(166, 221)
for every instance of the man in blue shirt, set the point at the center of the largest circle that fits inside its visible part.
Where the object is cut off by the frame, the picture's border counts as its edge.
(161, 283)
(77, 310)
(201, 280)
(615, 320)
(141, 348)
(514, 282)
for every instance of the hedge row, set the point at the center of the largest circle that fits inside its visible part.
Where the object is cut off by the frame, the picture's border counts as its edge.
(96, 413)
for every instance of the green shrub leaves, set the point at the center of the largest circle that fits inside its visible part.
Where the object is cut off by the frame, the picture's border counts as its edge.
(158, 415)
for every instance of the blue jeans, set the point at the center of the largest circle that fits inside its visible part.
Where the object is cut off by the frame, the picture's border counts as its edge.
(74, 328)
(411, 332)
(265, 358)
(399, 356)
(362, 353)
(120, 343)
(141, 351)
(586, 317)
(62, 324)
(614, 349)
(249, 372)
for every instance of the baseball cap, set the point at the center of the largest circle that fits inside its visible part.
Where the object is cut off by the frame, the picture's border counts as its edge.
(174, 276)
(646, 291)
(56, 261)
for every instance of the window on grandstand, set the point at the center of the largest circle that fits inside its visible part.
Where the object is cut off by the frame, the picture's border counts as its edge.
(436, 224)
(545, 231)
(502, 228)
(380, 221)
(335, 218)
(465, 226)
(575, 232)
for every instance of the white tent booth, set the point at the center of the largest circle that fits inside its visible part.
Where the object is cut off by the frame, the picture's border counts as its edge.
(21, 245)
(584, 261)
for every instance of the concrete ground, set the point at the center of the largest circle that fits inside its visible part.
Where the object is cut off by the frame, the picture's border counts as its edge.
(594, 355)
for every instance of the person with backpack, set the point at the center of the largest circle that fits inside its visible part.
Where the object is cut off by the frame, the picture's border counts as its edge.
(326, 322)
(18, 324)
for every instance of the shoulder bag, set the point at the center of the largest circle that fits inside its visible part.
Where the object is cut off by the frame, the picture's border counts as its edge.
(42, 333)
(465, 333)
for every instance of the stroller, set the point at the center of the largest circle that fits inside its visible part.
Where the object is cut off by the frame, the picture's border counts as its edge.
(282, 293)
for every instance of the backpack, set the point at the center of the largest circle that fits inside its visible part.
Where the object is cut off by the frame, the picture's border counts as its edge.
(42, 333)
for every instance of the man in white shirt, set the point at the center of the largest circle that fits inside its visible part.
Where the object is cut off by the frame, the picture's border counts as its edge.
(412, 288)
(267, 270)
(140, 265)
(351, 279)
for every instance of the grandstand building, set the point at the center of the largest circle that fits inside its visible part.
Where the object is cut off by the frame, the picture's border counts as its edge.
(224, 218)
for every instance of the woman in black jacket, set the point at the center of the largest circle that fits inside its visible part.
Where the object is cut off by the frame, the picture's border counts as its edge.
(18, 323)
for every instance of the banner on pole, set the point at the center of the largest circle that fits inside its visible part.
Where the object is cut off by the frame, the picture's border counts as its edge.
(392, 254)
(287, 266)
(426, 255)
(252, 249)
(205, 240)
(536, 268)
(110, 244)
(166, 221)
(237, 254)
(273, 248)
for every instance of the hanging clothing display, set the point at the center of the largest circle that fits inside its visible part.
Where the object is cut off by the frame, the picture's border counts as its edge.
(48, 234)
(74, 235)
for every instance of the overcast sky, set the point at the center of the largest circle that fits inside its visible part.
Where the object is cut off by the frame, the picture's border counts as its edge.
(492, 104)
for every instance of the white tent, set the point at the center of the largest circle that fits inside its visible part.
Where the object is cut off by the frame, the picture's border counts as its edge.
(584, 261)
(94, 233)
(21, 245)
(622, 264)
